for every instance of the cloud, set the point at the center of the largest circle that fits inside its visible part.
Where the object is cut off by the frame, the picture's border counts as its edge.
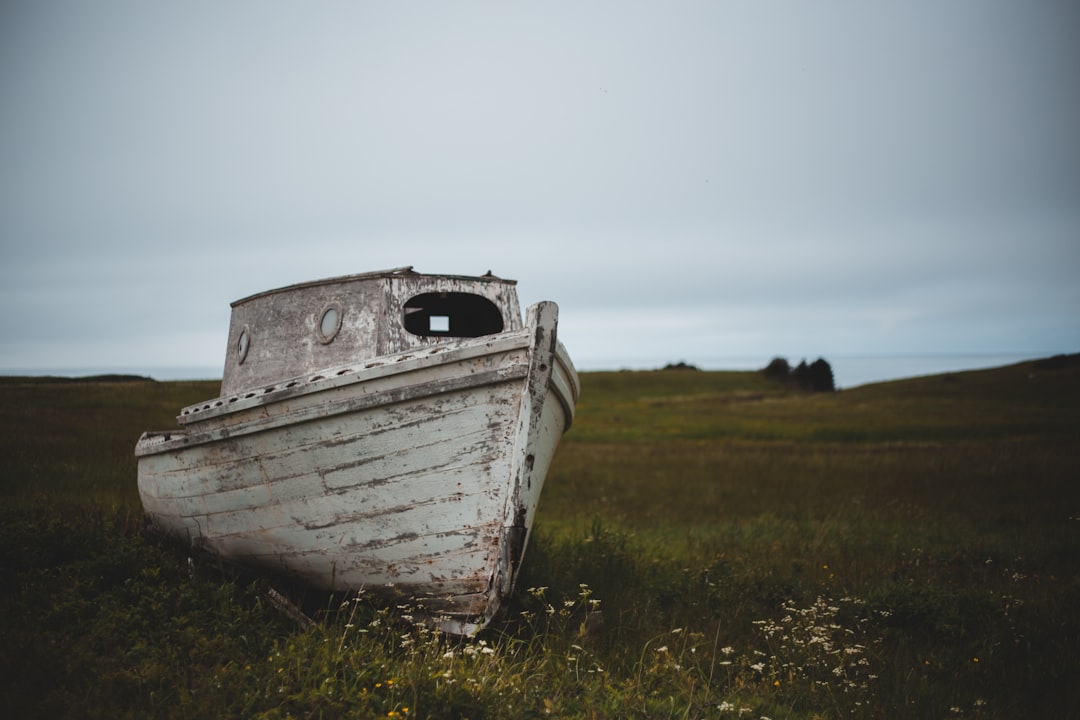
(700, 177)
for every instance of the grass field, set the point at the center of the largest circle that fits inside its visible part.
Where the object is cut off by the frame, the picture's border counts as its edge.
(709, 544)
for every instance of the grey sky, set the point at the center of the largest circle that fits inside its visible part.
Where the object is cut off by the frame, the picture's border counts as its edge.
(687, 179)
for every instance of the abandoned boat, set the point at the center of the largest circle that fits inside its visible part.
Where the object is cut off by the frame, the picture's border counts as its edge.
(388, 431)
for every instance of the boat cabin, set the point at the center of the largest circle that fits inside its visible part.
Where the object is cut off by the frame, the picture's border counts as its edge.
(302, 329)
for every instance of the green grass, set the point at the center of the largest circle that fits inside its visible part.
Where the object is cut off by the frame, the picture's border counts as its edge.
(69, 443)
(708, 545)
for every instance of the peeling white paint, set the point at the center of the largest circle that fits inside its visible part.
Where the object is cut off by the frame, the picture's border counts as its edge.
(416, 471)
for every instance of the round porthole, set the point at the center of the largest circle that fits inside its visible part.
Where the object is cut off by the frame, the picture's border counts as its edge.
(243, 344)
(329, 323)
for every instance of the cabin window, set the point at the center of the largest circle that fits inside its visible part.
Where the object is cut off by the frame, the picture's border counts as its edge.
(329, 323)
(243, 342)
(452, 314)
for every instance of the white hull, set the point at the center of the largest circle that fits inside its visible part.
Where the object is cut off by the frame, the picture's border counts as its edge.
(416, 475)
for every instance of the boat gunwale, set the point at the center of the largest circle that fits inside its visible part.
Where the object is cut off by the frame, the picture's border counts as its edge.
(349, 373)
(182, 439)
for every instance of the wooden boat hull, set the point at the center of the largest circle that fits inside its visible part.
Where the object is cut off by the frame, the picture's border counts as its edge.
(417, 475)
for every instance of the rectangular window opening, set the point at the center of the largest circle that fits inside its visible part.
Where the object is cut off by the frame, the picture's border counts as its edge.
(439, 323)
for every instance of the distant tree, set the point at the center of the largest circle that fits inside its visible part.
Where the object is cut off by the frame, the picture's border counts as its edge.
(820, 376)
(777, 369)
(801, 375)
(815, 377)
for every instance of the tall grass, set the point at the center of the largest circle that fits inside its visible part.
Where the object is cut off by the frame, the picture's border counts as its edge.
(73, 443)
(708, 545)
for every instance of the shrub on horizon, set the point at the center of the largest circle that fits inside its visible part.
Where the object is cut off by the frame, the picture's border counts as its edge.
(815, 377)
(681, 365)
(777, 369)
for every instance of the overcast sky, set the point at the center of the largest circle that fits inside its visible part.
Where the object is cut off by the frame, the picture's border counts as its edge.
(688, 180)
